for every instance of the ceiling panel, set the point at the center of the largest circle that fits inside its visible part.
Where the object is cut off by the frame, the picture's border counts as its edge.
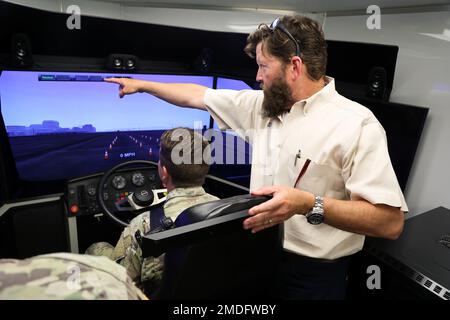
(294, 5)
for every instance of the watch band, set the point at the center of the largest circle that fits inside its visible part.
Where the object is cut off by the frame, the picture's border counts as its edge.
(318, 202)
(316, 215)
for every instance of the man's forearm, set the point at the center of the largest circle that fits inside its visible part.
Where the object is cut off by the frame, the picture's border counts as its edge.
(364, 218)
(180, 94)
(353, 216)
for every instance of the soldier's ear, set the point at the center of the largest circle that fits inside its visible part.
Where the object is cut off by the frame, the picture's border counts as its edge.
(165, 171)
(163, 174)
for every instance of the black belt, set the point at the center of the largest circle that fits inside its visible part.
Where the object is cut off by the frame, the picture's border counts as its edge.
(290, 256)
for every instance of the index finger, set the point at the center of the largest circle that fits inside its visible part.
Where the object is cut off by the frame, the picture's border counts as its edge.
(269, 190)
(113, 80)
(265, 206)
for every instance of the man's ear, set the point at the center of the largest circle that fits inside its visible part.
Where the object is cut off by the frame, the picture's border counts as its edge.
(297, 67)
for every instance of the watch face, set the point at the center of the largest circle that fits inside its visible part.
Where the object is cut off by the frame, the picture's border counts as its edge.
(315, 218)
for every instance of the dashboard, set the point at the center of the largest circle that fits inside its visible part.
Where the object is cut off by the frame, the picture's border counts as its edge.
(82, 192)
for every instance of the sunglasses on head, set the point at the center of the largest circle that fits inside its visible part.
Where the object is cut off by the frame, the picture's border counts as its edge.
(276, 24)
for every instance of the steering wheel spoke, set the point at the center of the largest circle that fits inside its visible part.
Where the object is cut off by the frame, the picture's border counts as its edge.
(146, 198)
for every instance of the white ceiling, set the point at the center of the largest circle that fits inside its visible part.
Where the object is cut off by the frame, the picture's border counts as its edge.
(291, 5)
(241, 16)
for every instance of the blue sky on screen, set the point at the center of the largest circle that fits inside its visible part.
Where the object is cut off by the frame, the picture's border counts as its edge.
(224, 83)
(26, 101)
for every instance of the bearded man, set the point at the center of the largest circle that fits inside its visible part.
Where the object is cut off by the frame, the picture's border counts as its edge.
(323, 157)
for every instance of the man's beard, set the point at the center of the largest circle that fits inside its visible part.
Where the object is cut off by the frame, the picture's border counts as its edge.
(277, 98)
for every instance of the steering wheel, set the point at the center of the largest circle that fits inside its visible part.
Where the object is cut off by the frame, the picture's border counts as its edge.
(138, 201)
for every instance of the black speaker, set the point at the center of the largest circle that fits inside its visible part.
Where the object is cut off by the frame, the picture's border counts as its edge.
(122, 62)
(21, 55)
(376, 84)
(203, 63)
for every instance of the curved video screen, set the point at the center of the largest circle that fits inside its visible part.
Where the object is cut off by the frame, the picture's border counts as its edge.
(63, 125)
(233, 164)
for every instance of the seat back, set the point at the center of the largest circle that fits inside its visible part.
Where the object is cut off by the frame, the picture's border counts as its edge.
(217, 208)
(223, 260)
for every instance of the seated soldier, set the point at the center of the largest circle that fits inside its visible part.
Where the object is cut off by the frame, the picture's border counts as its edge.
(184, 185)
(66, 276)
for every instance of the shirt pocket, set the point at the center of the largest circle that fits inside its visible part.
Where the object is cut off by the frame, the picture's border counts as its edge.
(319, 179)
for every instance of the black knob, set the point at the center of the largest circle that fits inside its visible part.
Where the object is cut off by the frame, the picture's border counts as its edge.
(143, 197)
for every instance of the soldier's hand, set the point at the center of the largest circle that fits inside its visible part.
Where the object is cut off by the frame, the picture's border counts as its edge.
(126, 85)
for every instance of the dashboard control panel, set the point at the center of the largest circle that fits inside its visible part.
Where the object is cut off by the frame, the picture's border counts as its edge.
(81, 193)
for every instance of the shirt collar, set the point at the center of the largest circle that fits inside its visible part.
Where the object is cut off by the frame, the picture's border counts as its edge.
(185, 192)
(322, 94)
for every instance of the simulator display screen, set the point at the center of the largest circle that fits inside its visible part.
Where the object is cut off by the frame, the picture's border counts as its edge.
(242, 155)
(64, 125)
(234, 163)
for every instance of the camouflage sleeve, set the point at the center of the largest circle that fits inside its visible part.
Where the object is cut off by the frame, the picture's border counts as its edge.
(152, 272)
(127, 251)
(101, 249)
(62, 276)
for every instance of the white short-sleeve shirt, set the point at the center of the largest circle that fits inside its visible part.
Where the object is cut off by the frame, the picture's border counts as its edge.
(338, 143)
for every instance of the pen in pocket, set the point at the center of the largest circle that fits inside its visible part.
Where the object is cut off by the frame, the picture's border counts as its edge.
(302, 171)
(297, 156)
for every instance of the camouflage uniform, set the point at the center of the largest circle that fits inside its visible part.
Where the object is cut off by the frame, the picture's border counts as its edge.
(127, 251)
(61, 276)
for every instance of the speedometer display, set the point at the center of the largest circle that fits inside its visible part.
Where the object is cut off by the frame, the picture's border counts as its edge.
(119, 182)
(138, 179)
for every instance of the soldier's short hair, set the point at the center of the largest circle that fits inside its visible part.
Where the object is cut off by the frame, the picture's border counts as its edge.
(192, 171)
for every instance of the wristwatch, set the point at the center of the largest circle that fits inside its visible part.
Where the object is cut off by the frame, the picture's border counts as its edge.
(316, 215)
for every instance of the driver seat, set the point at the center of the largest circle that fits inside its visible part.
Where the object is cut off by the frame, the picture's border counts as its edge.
(210, 256)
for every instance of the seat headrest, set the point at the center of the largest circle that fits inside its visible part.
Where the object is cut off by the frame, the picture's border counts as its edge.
(217, 208)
